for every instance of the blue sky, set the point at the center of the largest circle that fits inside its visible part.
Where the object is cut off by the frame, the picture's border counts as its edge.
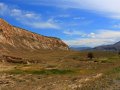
(76, 22)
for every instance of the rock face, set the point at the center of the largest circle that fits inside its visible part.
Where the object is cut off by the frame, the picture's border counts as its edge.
(113, 47)
(14, 38)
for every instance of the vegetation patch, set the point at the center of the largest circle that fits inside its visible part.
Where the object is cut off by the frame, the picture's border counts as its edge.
(44, 72)
(114, 70)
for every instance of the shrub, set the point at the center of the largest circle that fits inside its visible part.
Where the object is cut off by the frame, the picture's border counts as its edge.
(90, 55)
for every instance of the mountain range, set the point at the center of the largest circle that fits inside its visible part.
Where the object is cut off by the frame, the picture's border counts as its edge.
(80, 48)
(112, 47)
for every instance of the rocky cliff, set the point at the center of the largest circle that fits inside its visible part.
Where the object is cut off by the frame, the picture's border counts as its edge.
(14, 38)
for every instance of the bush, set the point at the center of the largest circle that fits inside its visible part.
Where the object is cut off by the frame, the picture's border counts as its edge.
(90, 55)
(119, 53)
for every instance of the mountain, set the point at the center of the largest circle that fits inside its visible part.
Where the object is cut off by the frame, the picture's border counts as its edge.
(15, 38)
(80, 48)
(113, 47)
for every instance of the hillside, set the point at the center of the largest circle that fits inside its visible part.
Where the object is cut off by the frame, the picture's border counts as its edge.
(14, 38)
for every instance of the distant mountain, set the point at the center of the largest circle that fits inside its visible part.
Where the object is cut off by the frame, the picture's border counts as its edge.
(80, 48)
(113, 47)
(15, 38)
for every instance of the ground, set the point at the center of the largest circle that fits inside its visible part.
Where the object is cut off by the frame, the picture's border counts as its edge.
(61, 70)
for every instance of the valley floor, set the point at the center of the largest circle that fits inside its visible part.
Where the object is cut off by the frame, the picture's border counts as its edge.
(61, 70)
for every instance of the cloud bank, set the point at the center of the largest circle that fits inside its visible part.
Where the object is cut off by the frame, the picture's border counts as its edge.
(101, 37)
(106, 8)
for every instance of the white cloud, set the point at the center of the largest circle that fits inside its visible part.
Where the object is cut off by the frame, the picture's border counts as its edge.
(102, 37)
(43, 25)
(79, 33)
(92, 35)
(108, 34)
(3, 8)
(24, 15)
(79, 18)
(74, 32)
(27, 17)
(116, 26)
(64, 15)
(107, 8)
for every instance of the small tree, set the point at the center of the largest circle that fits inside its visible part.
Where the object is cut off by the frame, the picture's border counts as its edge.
(119, 53)
(90, 55)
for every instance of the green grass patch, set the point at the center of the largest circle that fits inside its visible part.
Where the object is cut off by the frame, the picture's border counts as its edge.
(39, 72)
(114, 70)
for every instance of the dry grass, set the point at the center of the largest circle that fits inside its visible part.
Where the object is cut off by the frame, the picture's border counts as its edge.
(61, 70)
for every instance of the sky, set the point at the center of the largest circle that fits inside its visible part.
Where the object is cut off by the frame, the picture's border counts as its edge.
(80, 23)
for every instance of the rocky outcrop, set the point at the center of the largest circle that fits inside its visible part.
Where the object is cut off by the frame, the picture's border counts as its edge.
(13, 59)
(12, 37)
